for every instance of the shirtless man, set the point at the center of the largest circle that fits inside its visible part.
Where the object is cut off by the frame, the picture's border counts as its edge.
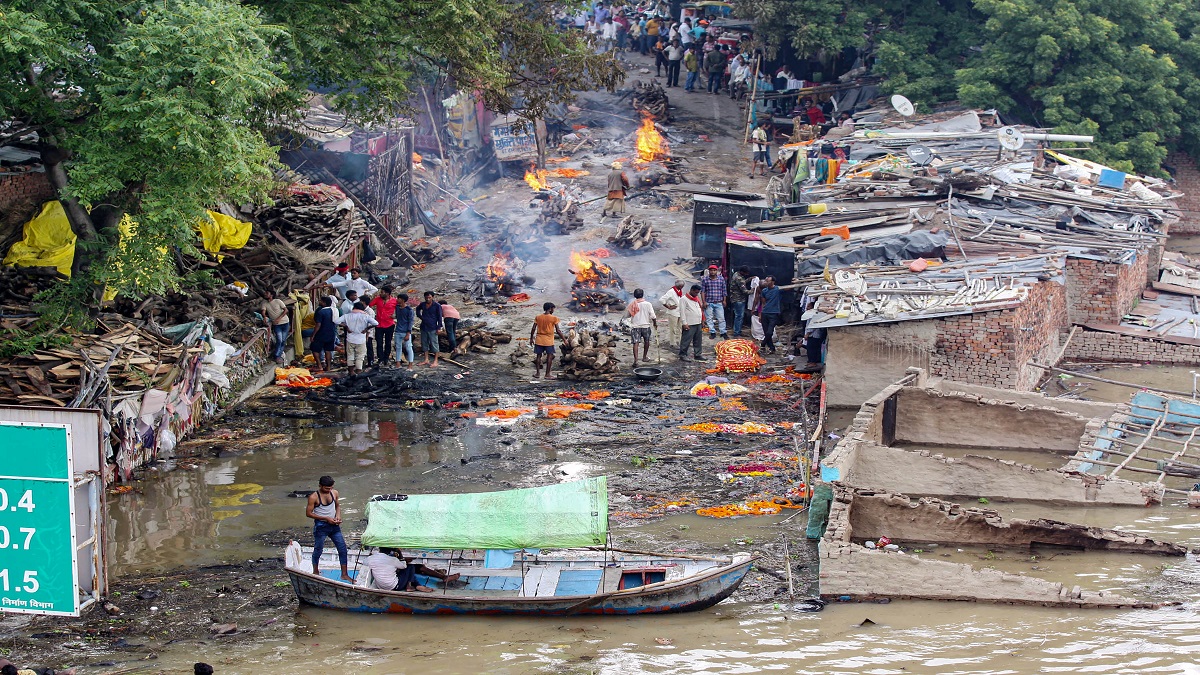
(326, 511)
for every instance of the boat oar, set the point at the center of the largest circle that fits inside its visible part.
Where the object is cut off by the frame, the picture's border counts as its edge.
(587, 603)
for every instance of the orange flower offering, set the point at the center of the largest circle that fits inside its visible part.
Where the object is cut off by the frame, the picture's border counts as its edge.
(570, 394)
(560, 412)
(508, 413)
(598, 395)
(733, 404)
(749, 508)
(717, 427)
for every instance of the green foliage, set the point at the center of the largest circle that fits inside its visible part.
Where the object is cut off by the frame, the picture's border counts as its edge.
(158, 110)
(1125, 71)
(18, 342)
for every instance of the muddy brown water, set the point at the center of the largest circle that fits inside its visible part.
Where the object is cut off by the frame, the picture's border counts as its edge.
(217, 513)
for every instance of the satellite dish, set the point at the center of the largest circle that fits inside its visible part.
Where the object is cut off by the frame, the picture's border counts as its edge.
(903, 105)
(921, 155)
(1011, 138)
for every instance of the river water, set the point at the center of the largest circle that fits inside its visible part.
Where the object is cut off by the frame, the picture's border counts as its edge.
(217, 513)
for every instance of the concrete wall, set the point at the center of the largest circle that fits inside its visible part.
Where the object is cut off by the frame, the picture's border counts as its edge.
(971, 477)
(931, 417)
(930, 520)
(1092, 345)
(988, 348)
(861, 360)
(1091, 409)
(1101, 292)
(850, 570)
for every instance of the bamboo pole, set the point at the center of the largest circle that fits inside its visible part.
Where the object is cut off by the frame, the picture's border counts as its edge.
(751, 105)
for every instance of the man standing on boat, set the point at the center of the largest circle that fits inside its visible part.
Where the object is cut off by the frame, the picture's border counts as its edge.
(326, 511)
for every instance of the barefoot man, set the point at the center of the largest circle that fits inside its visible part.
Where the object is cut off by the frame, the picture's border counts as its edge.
(545, 327)
(326, 512)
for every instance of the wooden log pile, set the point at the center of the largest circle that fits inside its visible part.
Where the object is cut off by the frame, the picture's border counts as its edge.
(560, 215)
(314, 221)
(634, 234)
(588, 355)
(651, 99)
(476, 340)
(18, 285)
(129, 358)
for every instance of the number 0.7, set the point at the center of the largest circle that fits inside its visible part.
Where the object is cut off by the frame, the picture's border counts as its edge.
(26, 501)
(4, 537)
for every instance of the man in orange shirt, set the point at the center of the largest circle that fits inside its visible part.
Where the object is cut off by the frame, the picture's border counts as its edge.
(545, 327)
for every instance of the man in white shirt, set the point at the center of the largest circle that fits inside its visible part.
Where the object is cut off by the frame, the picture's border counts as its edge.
(641, 318)
(608, 35)
(357, 323)
(670, 304)
(339, 278)
(360, 285)
(391, 573)
(759, 139)
(347, 305)
(691, 314)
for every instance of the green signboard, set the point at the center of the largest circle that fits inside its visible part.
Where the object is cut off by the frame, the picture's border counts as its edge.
(38, 566)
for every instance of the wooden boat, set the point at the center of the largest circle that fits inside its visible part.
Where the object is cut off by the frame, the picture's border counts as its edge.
(560, 583)
(531, 551)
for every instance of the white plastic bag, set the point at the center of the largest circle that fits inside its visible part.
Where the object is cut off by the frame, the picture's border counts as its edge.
(756, 330)
(220, 352)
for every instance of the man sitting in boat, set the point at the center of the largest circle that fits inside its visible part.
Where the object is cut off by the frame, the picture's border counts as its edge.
(392, 572)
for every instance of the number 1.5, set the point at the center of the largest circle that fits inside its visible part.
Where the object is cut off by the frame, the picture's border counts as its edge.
(31, 582)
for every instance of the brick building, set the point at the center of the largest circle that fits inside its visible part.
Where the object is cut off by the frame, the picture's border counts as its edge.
(1187, 179)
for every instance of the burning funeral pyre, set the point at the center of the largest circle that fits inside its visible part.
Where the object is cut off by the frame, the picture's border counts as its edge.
(653, 163)
(597, 287)
(503, 277)
(560, 205)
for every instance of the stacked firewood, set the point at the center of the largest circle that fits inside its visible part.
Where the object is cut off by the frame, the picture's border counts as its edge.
(560, 215)
(18, 285)
(651, 99)
(634, 234)
(477, 340)
(330, 226)
(130, 358)
(588, 355)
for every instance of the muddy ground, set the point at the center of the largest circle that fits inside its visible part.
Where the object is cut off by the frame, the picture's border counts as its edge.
(659, 469)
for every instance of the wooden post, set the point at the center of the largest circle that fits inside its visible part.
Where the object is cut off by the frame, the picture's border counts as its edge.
(753, 94)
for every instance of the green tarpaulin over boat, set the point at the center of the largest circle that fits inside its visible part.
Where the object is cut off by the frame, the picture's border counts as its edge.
(556, 516)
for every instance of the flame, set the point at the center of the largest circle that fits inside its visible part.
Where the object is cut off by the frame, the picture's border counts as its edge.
(536, 179)
(499, 268)
(568, 173)
(650, 144)
(588, 270)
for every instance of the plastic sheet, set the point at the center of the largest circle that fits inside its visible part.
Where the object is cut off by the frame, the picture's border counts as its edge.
(48, 241)
(563, 515)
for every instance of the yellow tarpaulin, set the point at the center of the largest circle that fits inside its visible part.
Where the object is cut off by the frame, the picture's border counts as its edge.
(220, 231)
(48, 242)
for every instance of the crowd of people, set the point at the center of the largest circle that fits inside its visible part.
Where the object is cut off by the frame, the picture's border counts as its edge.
(375, 324)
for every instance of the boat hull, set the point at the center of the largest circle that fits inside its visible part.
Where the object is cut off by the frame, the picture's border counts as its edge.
(684, 595)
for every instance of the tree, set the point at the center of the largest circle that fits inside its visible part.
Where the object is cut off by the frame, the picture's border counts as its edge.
(1090, 66)
(160, 109)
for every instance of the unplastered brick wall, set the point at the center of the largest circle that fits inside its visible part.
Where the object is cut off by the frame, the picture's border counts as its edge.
(1187, 179)
(1094, 345)
(993, 348)
(1103, 292)
(21, 195)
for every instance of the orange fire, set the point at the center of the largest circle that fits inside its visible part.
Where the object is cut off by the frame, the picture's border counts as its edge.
(568, 173)
(589, 271)
(598, 253)
(650, 143)
(537, 179)
(499, 268)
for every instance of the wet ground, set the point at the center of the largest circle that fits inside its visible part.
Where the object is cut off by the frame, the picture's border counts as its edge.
(196, 544)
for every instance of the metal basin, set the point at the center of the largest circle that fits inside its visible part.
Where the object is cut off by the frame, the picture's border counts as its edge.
(647, 374)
